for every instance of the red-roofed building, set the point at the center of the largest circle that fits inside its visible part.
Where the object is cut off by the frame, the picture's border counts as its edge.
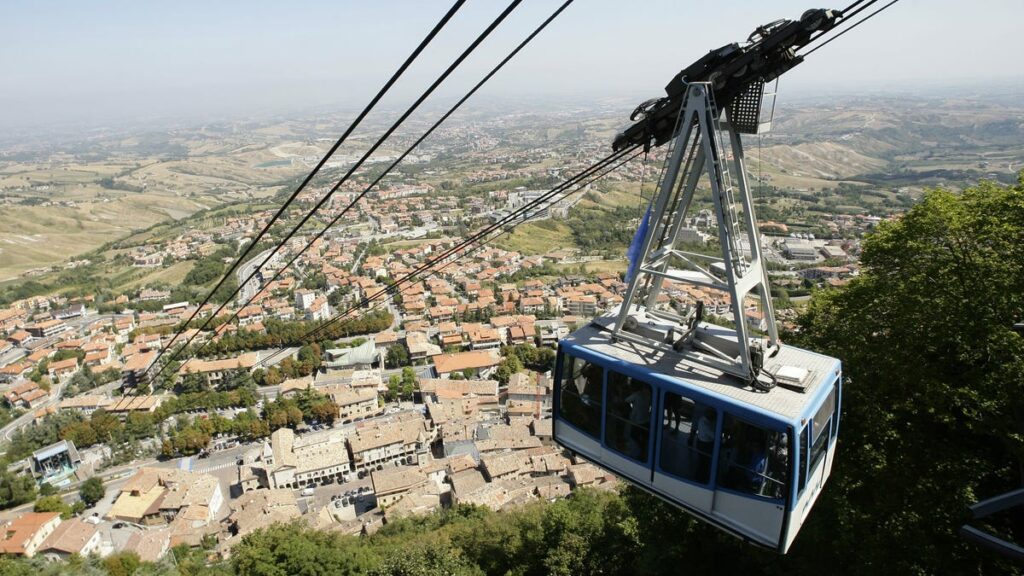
(26, 533)
(62, 369)
(477, 362)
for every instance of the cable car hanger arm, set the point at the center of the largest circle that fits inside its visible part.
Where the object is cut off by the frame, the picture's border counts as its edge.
(731, 70)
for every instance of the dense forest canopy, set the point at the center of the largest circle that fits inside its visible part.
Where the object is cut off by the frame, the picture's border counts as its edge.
(932, 420)
(933, 415)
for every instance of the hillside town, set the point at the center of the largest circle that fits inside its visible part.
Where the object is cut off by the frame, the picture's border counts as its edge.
(437, 395)
(134, 420)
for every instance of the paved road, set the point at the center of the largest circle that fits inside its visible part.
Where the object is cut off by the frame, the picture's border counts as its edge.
(274, 356)
(55, 397)
(217, 460)
(357, 260)
(25, 419)
(12, 355)
(57, 393)
(222, 464)
(270, 392)
(249, 289)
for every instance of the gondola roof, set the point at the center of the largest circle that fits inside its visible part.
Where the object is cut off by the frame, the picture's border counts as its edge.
(789, 404)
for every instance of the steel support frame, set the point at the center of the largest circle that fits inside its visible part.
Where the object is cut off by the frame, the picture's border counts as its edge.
(698, 150)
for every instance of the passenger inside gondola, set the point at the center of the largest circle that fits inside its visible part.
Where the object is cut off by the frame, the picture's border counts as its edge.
(703, 441)
(753, 460)
(778, 466)
(580, 401)
(687, 446)
(628, 417)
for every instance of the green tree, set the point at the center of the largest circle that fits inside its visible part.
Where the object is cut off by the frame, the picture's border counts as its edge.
(92, 491)
(323, 411)
(204, 272)
(409, 382)
(55, 504)
(15, 489)
(285, 549)
(428, 559)
(508, 366)
(122, 564)
(309, 359)
(935, 399)
(394, 388)
(193, 382)
(397, 356)
(16, 566)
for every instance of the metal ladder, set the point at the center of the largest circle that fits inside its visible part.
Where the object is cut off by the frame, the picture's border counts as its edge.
(726, 196)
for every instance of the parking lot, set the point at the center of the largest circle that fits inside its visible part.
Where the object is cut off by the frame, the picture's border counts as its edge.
(322, 494)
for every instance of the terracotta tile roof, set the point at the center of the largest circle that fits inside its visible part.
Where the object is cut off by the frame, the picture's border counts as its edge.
(447, 363)
(384, 434)
(139, 362)
(18, 532)
(391, 480)
(467, 481)
(150, 545)
(70, 536)
(67, 364)
(195, 365)
(86, 401)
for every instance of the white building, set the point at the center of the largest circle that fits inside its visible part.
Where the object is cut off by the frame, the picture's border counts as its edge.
(290, 462)
(401, 440)
(304, 299)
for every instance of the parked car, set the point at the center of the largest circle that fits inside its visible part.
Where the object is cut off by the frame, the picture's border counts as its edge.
(118, 525)
(306, 492)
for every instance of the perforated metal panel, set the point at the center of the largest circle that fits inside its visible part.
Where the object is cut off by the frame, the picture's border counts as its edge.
(745, 111)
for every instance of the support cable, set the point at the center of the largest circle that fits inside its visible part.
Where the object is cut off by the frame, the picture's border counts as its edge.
(845, 15)
(348, 132)
(858, 23)
(408, 151)
(478, 237)
(525, 211)
(847, 29)
(451, 68)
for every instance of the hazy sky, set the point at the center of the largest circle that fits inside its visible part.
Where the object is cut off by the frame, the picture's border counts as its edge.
(96, 61)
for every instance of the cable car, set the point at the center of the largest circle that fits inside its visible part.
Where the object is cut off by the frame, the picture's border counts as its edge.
(729, 424)
(749, 462)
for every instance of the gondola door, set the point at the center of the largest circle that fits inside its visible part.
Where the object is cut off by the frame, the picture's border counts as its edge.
(628, 439)
(683, 462)
(751, 487)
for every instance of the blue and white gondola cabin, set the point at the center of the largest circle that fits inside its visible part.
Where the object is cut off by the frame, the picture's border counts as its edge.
(749, 462)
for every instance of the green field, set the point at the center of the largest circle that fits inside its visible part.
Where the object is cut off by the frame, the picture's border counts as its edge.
(536, 237)
(172, 275)
(614, 266)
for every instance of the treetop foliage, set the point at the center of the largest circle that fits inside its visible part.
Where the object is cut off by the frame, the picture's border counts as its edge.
(934, 404)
